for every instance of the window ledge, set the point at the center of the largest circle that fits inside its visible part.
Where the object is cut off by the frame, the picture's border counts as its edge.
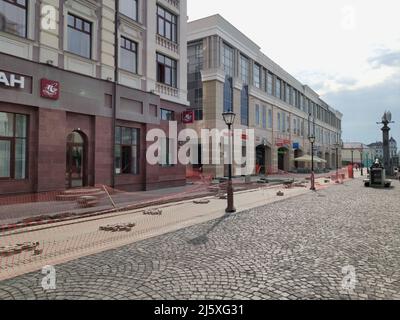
(131, 22)
(79, 57)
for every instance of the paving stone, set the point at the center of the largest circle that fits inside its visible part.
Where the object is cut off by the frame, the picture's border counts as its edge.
(295, 249)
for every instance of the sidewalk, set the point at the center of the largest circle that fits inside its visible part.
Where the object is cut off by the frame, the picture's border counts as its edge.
(65, 241)
(25, 207)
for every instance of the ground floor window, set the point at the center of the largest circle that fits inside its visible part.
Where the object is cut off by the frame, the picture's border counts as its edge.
(126, 150)
(13, 146)
(166, 147)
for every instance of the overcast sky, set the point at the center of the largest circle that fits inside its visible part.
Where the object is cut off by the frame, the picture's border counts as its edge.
(346, 50)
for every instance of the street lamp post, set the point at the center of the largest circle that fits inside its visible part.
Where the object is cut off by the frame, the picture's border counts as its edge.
(337, 145)
(352, 162)
(229, 118)
(311, 138)
(362, 160)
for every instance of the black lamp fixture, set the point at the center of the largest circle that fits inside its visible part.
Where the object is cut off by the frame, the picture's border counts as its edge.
(229, 118)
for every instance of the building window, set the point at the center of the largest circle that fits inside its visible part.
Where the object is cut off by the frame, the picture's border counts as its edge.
(167, 115)
(245, 69)
(128, 55)
(127, 150)
(195, 83)
(270, 120)
(270, 83)
(257, 116)
(166, 158)
(264, 117)
(278, 88)
(198, 114)
(13, 17)
(287, 93)
(227, 60)
(294, 126)
(244, 106)
(166, 70)
(13, 146)
(228, 94)
(167, 24)
(198, 96)
(79, 36)
(298, 127)
(257, 76)
(288, 124)
(129, 8)
(283, 118)
(279, 122)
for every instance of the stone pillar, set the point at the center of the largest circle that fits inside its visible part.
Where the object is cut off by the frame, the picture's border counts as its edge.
(386, 150)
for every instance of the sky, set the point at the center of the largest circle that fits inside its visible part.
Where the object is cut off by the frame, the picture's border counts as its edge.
(348, 51)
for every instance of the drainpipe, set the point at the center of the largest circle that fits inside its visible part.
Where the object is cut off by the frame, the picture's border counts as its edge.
(115, 97)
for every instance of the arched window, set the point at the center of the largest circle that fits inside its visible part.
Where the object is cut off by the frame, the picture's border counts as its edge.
(228, 94)
(244, 106)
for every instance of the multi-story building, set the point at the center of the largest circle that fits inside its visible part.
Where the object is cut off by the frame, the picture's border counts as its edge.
(81, 83)
(378, 149)
(358, 153)
(228, 72)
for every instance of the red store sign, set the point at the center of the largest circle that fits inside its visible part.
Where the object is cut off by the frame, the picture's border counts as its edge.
(188, 117)
(49, 89)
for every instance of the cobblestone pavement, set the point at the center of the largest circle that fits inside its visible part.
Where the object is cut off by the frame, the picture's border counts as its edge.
(302, 248)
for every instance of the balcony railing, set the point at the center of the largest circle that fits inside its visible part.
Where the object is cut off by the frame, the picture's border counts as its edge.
(167, 90)
(163, 42)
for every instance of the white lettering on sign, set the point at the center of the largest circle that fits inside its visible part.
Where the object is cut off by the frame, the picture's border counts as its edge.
(12, 81)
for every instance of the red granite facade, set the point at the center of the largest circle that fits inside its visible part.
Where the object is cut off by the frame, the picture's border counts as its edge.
(90, 115)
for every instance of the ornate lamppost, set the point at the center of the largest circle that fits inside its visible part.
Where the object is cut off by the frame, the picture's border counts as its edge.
(386, 120)
(229, 118)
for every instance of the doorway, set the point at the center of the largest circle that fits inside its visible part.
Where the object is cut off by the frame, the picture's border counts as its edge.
(75, 161)
(283, 159)
(260, 160)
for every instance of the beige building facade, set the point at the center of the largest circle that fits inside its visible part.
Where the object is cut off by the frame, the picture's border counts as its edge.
(228, 72)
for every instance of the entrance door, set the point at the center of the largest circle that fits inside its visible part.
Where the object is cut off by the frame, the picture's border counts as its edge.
(282, 159)
(260, 160)
(74, 175)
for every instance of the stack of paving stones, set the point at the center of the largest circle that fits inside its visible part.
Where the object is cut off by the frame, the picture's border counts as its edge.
(6, 251)
(153, 212)
(118, 227)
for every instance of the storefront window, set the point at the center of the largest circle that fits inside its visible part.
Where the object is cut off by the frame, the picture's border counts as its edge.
(13, 145)
(166, 156)
(167, 115)
(126, 150)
